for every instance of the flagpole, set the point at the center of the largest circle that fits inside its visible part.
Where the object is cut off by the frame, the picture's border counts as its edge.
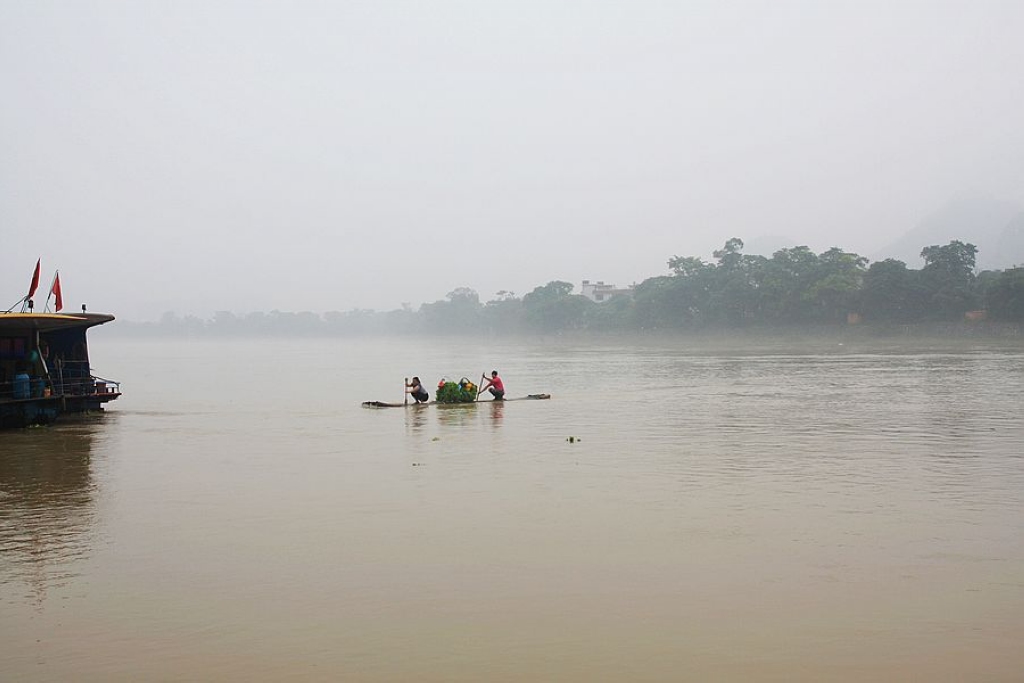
(31, 290)
(46, 306)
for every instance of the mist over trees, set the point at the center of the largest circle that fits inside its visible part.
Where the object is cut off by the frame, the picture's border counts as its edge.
(792, 287)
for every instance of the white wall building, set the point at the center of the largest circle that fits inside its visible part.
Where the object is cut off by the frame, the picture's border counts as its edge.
(599, 291)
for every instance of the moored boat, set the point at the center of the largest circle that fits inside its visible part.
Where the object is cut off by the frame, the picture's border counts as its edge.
(45, 370)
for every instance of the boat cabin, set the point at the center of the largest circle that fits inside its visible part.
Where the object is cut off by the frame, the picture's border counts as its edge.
(44, 367)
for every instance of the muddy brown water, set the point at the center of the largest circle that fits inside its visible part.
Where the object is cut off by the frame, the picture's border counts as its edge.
(794, 511)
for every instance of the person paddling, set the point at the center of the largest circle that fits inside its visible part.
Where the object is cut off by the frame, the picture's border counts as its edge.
(416, 390)
(495, 386)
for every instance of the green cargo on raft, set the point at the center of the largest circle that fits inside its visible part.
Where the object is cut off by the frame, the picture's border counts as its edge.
(462, 391)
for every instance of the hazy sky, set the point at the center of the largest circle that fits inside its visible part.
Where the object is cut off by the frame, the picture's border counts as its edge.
(210, 155)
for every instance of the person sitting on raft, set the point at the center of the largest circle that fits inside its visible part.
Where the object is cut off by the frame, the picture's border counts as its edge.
(495, 386)
(417, 391)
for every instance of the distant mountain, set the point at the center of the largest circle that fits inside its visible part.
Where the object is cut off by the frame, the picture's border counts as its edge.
(996, 228)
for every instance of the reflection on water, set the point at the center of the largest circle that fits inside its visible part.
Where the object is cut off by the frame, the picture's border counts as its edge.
(457, 415)
(419, 417)
(416, 416)
(497, 413)
(46, 503)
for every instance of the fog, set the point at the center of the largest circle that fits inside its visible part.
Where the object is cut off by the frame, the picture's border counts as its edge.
(319, 156)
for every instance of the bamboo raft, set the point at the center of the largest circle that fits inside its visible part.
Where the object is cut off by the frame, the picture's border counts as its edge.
(384, 404)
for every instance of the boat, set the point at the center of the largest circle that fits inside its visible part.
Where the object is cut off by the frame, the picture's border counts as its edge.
(44, 368)
(383, 404)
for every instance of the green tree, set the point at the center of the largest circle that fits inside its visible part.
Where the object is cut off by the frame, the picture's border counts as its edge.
(613, 314)
(688, 266)
(784, 285)
(733, 294)
(552, 291)
(504, 313)
(459, 313)
(838, 280)
(553, 307)
(891, 293)
(948, 276)
(1004, 296)
(667, 302)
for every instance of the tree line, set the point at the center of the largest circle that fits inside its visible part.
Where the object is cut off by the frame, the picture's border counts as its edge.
(793, 287)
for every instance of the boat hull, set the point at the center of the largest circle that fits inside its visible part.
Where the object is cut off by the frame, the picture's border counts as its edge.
(29, 412)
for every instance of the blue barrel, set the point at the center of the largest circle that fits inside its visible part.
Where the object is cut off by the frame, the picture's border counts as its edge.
(21, 385)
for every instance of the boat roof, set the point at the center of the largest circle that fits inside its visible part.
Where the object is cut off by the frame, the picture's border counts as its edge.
(50, 321)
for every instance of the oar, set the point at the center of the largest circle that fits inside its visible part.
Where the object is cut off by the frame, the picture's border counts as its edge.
(480, 389)
(406, 390)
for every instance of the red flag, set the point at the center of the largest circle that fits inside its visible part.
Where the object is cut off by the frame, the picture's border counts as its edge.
(35, 281)
(55, 292)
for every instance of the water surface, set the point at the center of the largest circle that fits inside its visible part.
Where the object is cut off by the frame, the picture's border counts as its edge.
(749, 512)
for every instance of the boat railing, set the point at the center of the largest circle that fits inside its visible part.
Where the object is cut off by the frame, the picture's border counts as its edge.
(106, 386)
(20, 389)
(75, 378)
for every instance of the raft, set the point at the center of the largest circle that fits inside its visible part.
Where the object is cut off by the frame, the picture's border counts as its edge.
(384, 404)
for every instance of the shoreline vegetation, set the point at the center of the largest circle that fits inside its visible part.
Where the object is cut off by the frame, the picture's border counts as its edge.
(793, 292)
(936, 335)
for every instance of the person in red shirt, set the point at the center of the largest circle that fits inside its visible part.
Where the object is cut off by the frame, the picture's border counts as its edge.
(495, 386)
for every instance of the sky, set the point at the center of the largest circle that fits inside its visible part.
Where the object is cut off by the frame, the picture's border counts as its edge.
(199, 156)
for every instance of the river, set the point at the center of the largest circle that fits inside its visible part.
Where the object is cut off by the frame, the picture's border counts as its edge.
(712, 510)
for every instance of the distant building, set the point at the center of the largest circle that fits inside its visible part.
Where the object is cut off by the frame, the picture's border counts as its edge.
(599, 291)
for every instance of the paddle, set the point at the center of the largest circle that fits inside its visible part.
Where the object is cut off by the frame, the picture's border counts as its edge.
(406, 390)
(480, 389)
